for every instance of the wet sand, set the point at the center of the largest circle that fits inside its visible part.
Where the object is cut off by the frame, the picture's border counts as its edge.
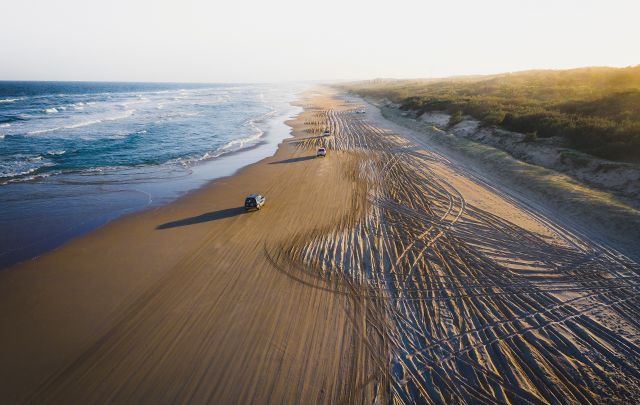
(385, 271)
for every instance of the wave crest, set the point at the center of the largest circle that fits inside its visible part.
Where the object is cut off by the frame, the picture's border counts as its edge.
(83, 124)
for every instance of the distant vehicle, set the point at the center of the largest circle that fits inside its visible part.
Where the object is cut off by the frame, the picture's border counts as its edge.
(327, 132)
(254, 201)
(321, 152)
(360, 111)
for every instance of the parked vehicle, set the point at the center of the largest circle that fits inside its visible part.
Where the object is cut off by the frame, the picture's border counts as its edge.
(254, 201)
(360, 111)
(321, 152)
(327, 132)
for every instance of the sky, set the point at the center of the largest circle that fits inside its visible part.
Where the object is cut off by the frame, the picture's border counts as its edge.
(285, 40)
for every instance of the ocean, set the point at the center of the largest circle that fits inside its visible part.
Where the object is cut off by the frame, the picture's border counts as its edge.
(75, 155)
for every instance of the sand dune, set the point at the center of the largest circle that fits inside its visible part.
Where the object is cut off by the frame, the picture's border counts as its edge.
(384, 272)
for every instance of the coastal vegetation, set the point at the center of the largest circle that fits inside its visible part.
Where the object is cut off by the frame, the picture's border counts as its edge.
(596, 110)
(455, 118)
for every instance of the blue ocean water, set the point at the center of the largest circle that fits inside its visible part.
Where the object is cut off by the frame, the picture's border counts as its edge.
(74, 155)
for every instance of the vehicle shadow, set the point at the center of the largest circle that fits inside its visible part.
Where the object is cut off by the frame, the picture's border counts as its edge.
(294, 160)
(208, 217)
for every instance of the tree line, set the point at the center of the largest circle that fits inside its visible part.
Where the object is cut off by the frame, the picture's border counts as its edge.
(596, 110)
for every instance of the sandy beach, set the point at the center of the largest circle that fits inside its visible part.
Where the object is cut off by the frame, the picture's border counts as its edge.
(386, 271)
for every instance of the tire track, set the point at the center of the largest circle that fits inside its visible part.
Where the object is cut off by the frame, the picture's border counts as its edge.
(460, 288)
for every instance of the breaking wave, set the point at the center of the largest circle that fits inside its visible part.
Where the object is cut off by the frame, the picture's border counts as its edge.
(82, 124)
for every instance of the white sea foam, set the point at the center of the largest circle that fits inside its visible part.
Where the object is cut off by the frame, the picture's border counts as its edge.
(241, 143)
(139, 101)
(19, 173)
(1, 136)
(21, 165)
(107, 168)
(252, 122)
(83, 124)
(50, 110)
(53, 152)
(234, 145)
(170, 117)
(5, 125)
(10, 100)
(27, 178)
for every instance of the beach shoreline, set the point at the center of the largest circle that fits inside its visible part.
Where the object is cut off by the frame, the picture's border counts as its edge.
(39, 236)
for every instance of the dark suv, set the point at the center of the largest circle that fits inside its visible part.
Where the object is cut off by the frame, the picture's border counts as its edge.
(254, 201)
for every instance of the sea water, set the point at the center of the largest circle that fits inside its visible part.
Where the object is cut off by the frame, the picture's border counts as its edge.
(74, 155)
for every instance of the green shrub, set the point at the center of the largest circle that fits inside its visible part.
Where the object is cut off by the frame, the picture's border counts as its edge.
(455, 118)
(577, 160)
(606, 167)
(530, 136)
(493, 118)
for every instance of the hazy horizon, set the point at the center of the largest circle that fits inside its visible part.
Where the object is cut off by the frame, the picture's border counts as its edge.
(283, 41)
